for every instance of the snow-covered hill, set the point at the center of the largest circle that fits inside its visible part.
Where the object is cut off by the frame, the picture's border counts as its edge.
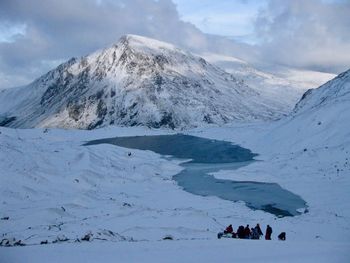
(320, 119)
(336, 91)
(138, 81)
(280, 85)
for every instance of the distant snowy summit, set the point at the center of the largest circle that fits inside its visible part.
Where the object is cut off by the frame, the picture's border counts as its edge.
(137, 81)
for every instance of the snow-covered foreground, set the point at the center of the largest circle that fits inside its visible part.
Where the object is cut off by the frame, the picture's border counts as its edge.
(54, 189)
(181, 251)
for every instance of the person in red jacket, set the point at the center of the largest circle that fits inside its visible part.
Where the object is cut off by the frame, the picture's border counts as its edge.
(268, 233)
(247, 232)
(228, 230)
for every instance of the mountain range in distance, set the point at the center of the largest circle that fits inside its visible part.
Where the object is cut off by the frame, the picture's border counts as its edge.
(142, 81)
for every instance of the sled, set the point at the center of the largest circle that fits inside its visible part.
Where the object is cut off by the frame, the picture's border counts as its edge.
(226, 235)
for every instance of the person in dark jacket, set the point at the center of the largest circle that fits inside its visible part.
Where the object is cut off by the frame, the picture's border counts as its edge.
(247, 232)
(282, 236)
(268, 233)
(240, 232)
(254, 234)
(259, 230)
(228, 230)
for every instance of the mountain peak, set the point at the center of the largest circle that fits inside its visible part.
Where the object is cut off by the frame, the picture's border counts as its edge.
(138, 81)
(141, 42)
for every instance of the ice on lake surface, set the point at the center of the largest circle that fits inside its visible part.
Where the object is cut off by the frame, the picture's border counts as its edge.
(206, 156)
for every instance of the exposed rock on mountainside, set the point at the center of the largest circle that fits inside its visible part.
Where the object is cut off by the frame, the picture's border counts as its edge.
(138, 81)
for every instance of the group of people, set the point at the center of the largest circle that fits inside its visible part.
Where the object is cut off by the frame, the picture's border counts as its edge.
(250, 233)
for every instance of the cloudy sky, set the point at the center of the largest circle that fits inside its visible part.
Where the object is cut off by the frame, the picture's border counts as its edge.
(37, 35)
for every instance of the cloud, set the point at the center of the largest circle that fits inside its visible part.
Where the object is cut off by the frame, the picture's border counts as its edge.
(60, 29)
(10, 32)
(223, 17)
(310, 34)
(40, 34)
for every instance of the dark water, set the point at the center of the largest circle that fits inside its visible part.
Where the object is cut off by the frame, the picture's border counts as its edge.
(206, 156)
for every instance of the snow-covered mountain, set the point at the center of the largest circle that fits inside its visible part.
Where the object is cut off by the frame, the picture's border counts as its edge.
(138, 81)
(335, 91)
(280, 85)
(320, 119)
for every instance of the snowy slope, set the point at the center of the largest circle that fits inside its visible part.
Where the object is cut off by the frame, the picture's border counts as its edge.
(189, 251)
(138, 81)
(320, 119)
(52, 188)
(279, 86)
(334, 92)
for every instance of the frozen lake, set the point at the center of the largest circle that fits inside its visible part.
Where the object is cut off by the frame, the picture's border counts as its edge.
(204, 157)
